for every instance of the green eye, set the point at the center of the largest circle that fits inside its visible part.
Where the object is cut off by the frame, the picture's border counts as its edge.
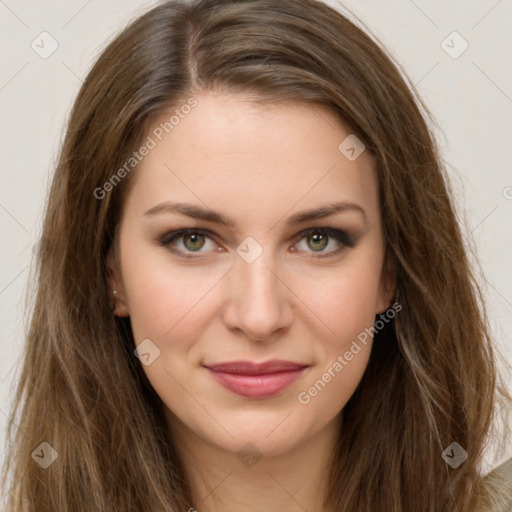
(316, 240)
(196, 241)
(192, 240)
(320, 240)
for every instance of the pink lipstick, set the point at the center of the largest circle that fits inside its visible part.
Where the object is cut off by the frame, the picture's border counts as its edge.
(256, 380)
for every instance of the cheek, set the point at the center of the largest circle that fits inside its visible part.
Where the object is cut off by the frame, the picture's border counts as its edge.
(346, 304)
(344, 300)
(168, 305)
(329, 388)
(163, 297)
(347, 308)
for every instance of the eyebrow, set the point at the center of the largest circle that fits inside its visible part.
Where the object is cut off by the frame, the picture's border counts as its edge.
(205, 214)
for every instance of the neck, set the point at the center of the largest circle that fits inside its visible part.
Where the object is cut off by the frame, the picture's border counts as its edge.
(249, 480)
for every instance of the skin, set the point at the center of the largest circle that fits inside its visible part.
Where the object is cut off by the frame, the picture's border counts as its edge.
(258, 165)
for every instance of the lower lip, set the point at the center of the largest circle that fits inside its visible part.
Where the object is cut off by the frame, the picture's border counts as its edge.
(257, 386)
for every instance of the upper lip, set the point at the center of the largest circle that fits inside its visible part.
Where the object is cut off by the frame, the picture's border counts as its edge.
(252, 368)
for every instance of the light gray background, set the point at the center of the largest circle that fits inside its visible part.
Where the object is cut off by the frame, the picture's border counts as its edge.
(470, 97)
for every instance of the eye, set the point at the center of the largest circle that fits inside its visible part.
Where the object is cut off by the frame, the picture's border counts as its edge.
(317, 239)
(192, 240)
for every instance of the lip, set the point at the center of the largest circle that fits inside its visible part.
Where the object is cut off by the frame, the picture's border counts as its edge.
(256, 380)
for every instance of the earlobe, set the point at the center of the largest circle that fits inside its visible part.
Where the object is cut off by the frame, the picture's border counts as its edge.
(385, 300)
(387, 287)
(117, 295)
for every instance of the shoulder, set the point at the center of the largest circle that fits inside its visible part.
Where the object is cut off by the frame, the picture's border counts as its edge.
(498, 489)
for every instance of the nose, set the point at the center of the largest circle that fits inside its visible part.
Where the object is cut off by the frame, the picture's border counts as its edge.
(259, 298)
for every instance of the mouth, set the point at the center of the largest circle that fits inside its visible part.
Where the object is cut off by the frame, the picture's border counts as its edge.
(256, 380)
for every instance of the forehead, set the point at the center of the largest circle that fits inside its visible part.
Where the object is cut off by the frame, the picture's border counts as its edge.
(234, 155)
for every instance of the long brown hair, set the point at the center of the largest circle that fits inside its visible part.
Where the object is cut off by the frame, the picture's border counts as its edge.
(432, 377)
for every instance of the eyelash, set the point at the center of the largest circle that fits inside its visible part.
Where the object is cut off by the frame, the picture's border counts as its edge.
(342, 237)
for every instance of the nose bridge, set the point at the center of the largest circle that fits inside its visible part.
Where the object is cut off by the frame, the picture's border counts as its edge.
(259, 302)
(255, 261)
(260, 276)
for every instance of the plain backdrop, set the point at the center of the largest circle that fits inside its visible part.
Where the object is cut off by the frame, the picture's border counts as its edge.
(469, 95)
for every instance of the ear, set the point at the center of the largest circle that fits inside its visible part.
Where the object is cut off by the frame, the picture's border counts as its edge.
(387, 286)
(115, 282)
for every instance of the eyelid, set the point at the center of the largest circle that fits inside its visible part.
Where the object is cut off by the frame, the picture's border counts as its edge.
(341, 235)
(171, 235)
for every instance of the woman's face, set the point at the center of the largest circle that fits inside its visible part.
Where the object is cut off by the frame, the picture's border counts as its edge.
(268, 287)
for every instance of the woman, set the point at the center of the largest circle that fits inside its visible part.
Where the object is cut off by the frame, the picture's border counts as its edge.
(252, 292)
